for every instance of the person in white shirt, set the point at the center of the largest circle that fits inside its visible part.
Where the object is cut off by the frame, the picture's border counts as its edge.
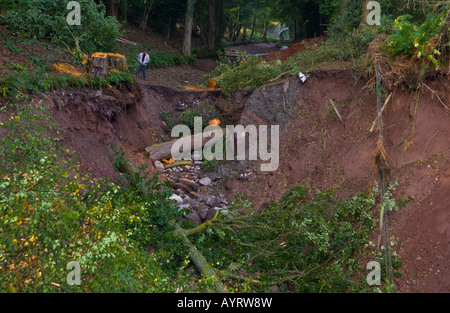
(143, 60)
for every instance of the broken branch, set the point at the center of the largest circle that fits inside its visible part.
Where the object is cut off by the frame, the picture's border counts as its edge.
(382, 109)
(435, 93)
(335, 109)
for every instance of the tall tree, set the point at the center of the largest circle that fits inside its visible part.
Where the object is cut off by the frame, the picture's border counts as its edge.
(220, 23)
(112, 8)
(147, 7)
(253, 29)
(187, 41)
(212, 24)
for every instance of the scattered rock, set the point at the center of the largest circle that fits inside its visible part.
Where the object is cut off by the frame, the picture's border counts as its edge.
(203, 214)
(183, 206)
(193, 217)
(159, 166)
(195, 206)
(211, 213)
(178, 192)
(214, 176)
(183, 187)
(205, 181)
(195, 196)
(274, 289)
(212, 202)
(177, 198)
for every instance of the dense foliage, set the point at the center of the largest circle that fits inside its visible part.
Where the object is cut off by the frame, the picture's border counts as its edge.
(306, 242)
(247, 73)
(47, 19)
(52, 214)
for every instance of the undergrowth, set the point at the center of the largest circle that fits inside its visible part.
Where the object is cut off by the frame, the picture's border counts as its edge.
(51, 214)
(302, 243)
(246, 74)
(20, 81)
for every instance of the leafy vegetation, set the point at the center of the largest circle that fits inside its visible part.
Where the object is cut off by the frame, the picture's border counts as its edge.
(423, 41)
(249, 73)
(47, 19)
(52, 214)
(303, 242)
(21, 81)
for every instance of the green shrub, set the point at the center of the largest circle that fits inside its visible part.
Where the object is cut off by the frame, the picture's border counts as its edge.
(188, 117)
(46, 19)
(302, 243)
(419, 41)
(159, 59)
(52, 214)
(12, 47)
(21, 81)
(249, 73)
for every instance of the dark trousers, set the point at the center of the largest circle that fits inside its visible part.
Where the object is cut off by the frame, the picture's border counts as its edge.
(142, 68)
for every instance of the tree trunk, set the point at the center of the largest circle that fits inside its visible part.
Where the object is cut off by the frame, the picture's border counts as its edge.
(253, 29)
(264, 34)
(160, 151)
(237, 33)
(237, 27)
(231, 31)
(212, 25)
(100, 64)
(169, 25)
(364, 12)
(187, 41)
(148, 4)
(112, 8)
(244, 37)
(220, 23)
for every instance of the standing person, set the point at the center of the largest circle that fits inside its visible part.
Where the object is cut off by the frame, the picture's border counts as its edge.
(143, 60)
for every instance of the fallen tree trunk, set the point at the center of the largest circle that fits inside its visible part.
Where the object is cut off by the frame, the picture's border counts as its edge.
(199, 260)
(198, 141)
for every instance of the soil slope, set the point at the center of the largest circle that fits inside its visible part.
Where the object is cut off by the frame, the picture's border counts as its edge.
(318, 149)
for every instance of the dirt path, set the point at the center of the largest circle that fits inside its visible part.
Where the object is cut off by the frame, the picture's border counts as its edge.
(179, 77)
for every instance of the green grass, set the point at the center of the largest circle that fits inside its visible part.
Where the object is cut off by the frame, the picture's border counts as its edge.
(20, 81)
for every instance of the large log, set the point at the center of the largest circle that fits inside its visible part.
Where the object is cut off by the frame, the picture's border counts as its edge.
(198, 141)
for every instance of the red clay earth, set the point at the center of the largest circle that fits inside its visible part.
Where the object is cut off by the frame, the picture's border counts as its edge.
(318, 149)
